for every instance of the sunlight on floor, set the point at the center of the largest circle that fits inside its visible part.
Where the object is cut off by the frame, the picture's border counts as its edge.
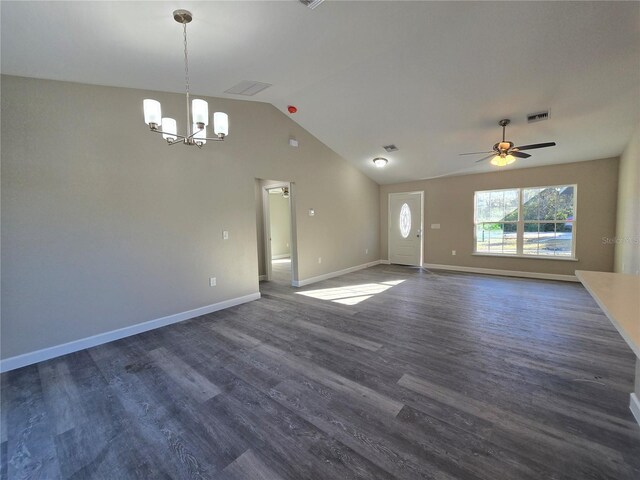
(351, 295)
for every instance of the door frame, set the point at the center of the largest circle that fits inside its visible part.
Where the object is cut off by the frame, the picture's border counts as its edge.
(266, 228)
(422, 235)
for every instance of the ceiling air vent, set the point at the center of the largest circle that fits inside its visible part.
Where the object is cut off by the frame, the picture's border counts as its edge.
(390, 148)
(248, 88)
(537, 117)
(311, 3)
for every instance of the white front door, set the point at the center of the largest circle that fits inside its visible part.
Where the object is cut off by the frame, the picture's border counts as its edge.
(405, 228)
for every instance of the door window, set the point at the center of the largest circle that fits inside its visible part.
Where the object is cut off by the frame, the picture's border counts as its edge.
(405, 220)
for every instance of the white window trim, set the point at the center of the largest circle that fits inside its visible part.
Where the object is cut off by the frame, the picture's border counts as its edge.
(520, 227)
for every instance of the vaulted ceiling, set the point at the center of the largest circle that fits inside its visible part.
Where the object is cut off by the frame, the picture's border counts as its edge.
(433, 78)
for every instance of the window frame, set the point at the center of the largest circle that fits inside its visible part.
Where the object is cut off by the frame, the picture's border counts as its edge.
(521, 222)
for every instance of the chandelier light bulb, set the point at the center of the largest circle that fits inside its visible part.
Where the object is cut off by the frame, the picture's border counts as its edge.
(152, 112)
(169, 129)
(221, 124)
(200, 111)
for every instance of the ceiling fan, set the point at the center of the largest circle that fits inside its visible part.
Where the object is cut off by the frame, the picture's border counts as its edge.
(504, 152)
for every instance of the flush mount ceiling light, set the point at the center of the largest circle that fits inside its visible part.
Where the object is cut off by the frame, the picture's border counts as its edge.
(380, 162)
(197, 110)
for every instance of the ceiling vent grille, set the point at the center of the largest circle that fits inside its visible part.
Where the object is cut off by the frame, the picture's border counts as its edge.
(247, 88)
(390, 148)
(311, 3)
(537, 117)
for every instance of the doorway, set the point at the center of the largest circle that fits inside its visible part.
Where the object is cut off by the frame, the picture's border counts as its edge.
(406, 228)
(278, 225)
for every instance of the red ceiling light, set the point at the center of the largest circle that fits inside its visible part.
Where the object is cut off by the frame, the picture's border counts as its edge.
(292, 109)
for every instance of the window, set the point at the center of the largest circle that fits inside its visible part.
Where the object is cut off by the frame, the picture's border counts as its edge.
(537, 221)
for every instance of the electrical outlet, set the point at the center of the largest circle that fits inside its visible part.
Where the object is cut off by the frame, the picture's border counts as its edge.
(319, 259)
(212, 281)
(225, 235)
(453, 252)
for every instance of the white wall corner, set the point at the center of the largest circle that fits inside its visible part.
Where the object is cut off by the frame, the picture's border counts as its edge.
(30, 358)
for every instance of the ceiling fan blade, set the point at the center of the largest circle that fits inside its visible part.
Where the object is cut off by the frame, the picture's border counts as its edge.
(486, 158)
(537, 145)
(520, 154)
(473, 153)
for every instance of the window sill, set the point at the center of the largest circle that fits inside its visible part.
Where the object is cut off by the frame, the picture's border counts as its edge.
(534, 257)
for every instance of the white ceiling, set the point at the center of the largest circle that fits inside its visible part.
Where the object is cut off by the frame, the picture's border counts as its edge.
(432, 77)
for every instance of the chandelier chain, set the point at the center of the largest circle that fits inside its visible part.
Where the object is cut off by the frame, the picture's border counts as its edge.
(186, 77)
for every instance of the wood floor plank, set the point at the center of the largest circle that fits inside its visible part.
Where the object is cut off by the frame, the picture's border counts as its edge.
(61, 394)
(184, 376)
(248, 467)
(442, 376)
(30, 447)
(316, 372)
(535, 431)
(337, 335)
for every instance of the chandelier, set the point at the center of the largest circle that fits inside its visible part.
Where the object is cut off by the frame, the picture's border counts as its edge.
(197, 109)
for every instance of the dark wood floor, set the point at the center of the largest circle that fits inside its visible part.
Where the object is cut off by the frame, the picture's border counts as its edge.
(390, 372)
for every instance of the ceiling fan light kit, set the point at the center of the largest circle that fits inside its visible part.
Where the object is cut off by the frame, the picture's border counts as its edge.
(505, 153)
(500, 161)
(197, 109)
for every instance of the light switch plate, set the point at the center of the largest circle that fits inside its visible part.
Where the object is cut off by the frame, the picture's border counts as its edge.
(312, 212)
(225, 235)
(435, 226)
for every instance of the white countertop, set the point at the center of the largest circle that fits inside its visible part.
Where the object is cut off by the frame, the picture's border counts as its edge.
(618, 295)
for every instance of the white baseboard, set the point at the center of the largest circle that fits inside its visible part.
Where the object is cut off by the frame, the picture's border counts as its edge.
(326, 276)
(76, 345)
(385, 262)
(505, 273)
(262, 277)
(634, 405)
(283, 255)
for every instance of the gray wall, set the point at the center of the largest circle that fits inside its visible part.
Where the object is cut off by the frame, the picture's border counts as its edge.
(628, 225)
(105, 226)
(449, 202)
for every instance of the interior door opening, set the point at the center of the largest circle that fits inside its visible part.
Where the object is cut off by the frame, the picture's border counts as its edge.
(278, 240)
